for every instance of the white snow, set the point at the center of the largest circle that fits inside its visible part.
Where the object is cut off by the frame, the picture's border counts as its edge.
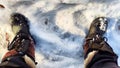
(59, 27)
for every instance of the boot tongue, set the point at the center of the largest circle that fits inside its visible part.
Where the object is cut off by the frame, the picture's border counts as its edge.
(16, 29)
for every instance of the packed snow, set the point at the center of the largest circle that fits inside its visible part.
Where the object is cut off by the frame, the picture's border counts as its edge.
(59, 28)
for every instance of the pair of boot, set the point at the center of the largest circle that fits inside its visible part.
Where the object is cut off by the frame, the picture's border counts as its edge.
(22, 50)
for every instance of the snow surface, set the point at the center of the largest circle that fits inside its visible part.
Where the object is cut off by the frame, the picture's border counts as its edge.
(59, 28)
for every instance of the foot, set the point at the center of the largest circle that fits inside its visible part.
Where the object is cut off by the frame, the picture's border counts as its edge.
(96, 48)
(21, 29)
(95, 39)
(95, 35)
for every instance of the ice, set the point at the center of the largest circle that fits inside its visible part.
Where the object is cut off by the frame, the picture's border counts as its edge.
(59, 28)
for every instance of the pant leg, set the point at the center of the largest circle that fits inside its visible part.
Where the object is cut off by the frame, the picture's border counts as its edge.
(103, 59)
(99, 57)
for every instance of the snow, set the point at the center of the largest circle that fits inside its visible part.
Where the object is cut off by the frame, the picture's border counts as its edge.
(59, 28)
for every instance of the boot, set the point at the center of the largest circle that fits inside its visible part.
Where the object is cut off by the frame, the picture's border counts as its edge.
(95, 39)
(20, 27)
(95, 42)
(21, 51)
